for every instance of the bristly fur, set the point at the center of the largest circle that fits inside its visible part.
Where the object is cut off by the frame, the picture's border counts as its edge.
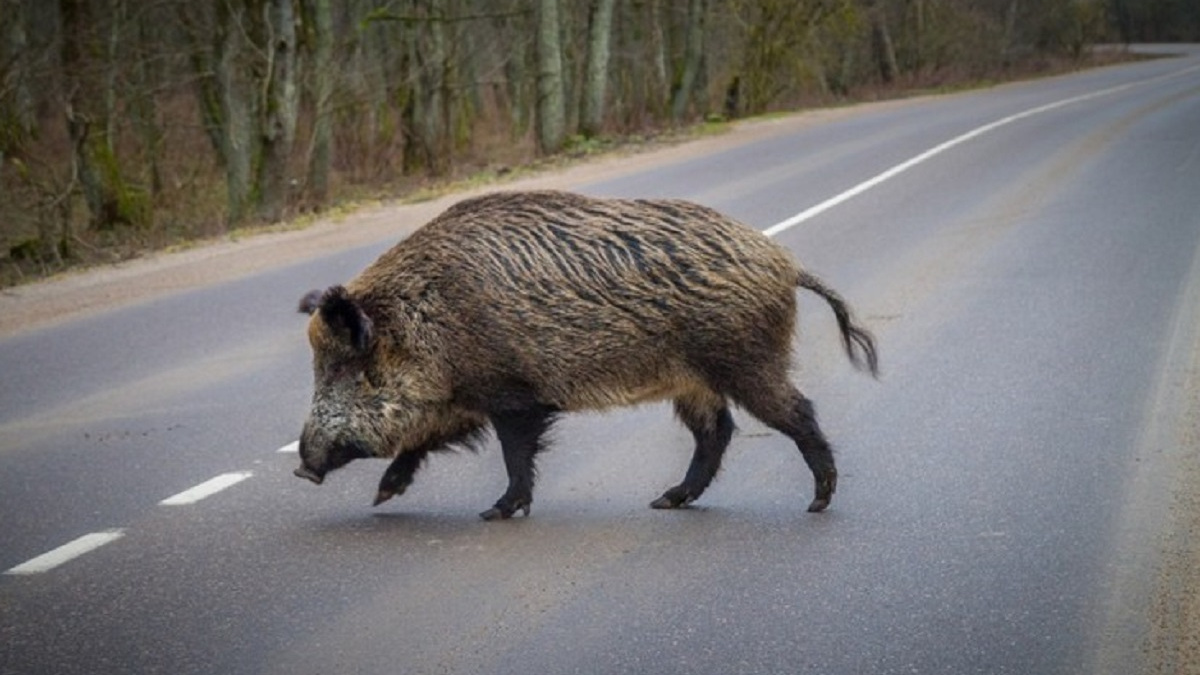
(511, 308)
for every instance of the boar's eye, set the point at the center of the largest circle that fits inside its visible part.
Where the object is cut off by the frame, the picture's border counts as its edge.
(346, 371)
(343, 371)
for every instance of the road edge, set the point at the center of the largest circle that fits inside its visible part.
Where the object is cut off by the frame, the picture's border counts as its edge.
(1151, 617)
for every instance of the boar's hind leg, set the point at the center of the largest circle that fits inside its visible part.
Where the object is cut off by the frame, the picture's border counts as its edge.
(711, 424)
(520, 433)
(784, 408)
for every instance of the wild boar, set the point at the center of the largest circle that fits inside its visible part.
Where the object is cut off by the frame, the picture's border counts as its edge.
(510, 309)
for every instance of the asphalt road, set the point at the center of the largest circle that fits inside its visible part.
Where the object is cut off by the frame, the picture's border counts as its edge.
(1028, 263)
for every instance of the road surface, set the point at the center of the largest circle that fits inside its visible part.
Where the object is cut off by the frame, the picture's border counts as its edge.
(1014, 491)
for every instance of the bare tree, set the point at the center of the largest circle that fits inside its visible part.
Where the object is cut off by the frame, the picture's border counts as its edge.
(426, 110)
(222, 54)
(244, 57)
(640, 83)
(87, 95)
(551, 106)
(280, 108)
(17, 121)
(320, 65)
(693, 54)
(881, 43)
(596, 76)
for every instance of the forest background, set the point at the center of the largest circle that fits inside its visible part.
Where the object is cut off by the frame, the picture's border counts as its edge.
(132, 125)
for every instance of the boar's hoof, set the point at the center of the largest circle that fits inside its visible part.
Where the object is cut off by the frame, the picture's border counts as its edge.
(826, 485)
(382, 496)
(494, 514)
(308, 474)
(674, 498)
(502, 511)
(818, 505)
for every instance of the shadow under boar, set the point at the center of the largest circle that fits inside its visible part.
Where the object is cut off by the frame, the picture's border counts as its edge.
(510, 309)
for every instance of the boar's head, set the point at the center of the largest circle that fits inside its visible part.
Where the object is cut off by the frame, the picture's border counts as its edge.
(349, 414)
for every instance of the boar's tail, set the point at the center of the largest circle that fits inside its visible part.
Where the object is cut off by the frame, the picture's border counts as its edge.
(859, 344)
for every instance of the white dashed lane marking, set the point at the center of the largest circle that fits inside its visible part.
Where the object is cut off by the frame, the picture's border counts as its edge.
(294, 446)
(67, 552)
(207, 488)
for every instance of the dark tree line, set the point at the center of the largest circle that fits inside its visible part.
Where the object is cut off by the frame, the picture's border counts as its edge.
(149, 120)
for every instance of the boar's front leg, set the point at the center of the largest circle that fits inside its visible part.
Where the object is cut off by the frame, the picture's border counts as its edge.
(520, 433)
(399, 475)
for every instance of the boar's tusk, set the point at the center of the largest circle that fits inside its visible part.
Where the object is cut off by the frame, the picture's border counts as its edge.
(305, 472)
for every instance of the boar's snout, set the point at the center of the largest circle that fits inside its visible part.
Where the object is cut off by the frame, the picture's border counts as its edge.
(314, 455)
(309, 474)
(320, 454)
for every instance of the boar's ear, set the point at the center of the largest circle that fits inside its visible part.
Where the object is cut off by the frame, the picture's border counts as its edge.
(310, 302)
(345, 316)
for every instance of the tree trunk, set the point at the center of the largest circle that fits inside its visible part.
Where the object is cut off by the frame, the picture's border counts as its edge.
(321, 153)
(238, 107)
(693, 55)
(95, 162)
(919, 10)
(1010, 26)
(424, 111)
(370, 93)
(280, 110)
(551, 106)
(116, 17)
(16, 95)
(515, 62)
(653, 83)
(147, 76)
(881, 43)
(659, 47)
(201, 29)
(1121, 15)
(433, 121)
(16, 100)
(596, 77)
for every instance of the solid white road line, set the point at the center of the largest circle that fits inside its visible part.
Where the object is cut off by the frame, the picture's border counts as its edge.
(294, 446)
(207, 488)
(931, 153)
(67, 552)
